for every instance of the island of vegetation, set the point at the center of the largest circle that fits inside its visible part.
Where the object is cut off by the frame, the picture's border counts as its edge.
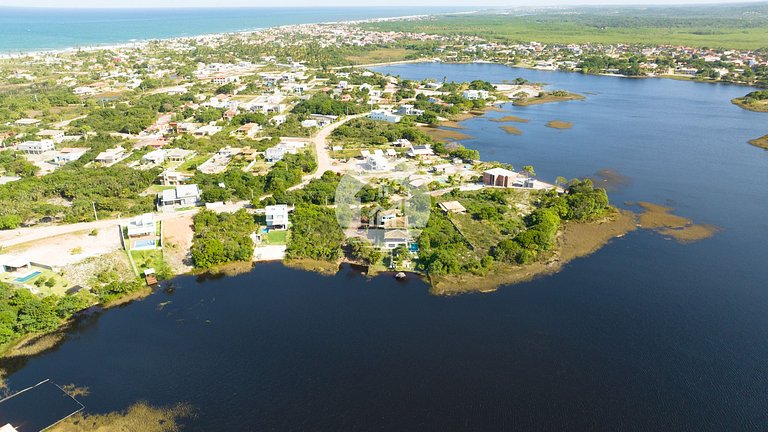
(761, 142)
(754, 101)
(548, 97)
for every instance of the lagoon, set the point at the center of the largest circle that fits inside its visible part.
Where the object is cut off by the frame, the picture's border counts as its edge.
(645, 334)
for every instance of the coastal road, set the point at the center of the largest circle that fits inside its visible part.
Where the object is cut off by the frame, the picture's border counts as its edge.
(322, 153)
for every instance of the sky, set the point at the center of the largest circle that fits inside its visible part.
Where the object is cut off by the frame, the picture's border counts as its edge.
(314, 3)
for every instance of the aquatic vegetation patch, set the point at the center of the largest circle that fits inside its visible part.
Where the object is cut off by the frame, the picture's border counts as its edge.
(558, 124)
(138, 417)
(446, 134)
(610, 180)
(761, 142)
(658, 218)
(511, 130)
(510, 118)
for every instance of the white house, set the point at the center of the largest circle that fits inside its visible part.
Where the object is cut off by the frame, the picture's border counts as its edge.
(475, 94)
(36, 147)
(56, 136)
(309, 123)
(69, 154)
(278, 119)
(207, 130)
(111, 156)
(155, 157)
(378, 163)
(276, 153)
(384, 115)
(142, 225)
(179, 155)
(180, 196)
(420, 151)
(277, 216)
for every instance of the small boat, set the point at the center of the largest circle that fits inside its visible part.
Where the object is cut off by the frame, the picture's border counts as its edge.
(400, 275)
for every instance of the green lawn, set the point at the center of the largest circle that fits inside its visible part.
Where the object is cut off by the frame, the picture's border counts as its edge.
(276, 237)
(59, 288)
(145, 259)
(192, 164)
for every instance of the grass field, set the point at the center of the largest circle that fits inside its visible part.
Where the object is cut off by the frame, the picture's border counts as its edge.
(738, 26)
(380, 55)
(276, 237)
(146, 259)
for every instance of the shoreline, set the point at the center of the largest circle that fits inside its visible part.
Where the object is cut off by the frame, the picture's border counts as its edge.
(575, 240)
(136, 43)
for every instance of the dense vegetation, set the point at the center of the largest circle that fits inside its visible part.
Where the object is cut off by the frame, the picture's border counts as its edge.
(372, 132)
(493, 231)
(321, 103)
(22, 312)
(70, 193)
(315, 234)
(221, 238)
(14, 163)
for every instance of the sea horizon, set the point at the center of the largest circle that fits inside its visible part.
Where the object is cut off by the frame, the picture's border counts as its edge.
(30, 30)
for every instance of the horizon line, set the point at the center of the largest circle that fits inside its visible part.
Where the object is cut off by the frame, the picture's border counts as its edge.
(469, 5)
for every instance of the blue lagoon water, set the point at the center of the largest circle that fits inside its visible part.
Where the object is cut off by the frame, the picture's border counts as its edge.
(36, 29)
(647, 334)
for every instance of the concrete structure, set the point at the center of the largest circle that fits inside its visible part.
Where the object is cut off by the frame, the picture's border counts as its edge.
(69, 154)
(395, 238)
(384, 115)
(172, 178)
(56, 136)
(155, 157)
(277, 216)
(111, 156)
(452, 207)
(420, 151)
(142, 225)
(36, 147)
(179, 155)
(475, 94)
(500, 177)
(378, 163)
(180, 196)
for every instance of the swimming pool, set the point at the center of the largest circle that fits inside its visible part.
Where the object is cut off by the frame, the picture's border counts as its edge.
(144, 244)
(27, 277)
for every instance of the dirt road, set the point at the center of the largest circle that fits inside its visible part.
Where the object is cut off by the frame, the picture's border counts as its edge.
(320, 141)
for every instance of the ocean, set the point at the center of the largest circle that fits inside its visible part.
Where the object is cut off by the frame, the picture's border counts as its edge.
(39, 29)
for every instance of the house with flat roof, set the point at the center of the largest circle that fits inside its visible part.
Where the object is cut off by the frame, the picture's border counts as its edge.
(111, 156)
(179, 155)
(69, 154)
(142, 225)
(155, 157)
(172, 178)
(277, 216)
(500, 177)
(384, 115)
(36, 147)
(180, 196)
(423, 150)
(56, 136)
